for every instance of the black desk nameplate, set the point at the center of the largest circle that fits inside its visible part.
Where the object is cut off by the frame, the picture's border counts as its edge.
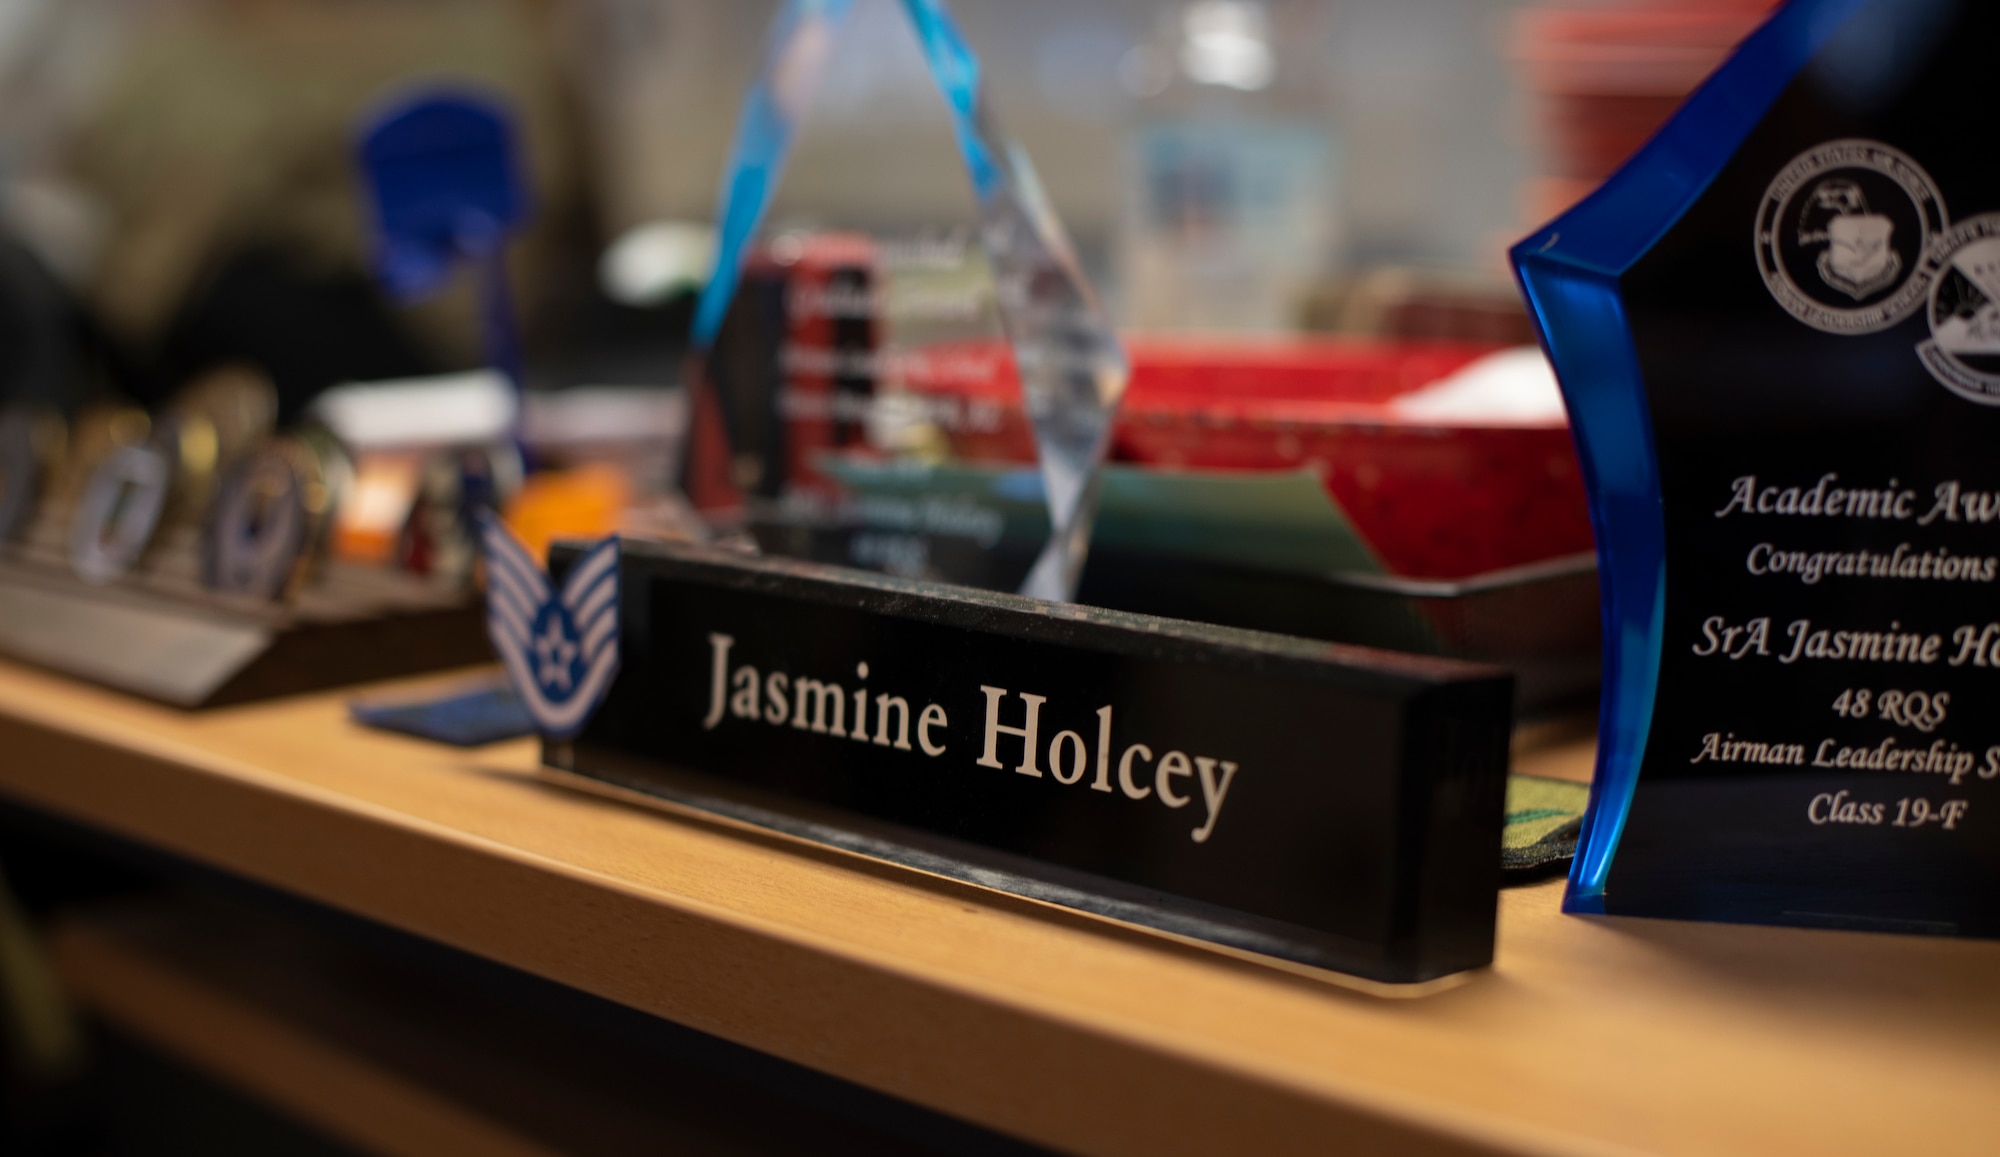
(1330, 806)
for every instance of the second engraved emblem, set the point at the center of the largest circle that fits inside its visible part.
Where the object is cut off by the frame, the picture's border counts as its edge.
(1964, 347)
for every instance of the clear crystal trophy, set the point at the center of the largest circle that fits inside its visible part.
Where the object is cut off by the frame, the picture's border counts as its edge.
(897, 319)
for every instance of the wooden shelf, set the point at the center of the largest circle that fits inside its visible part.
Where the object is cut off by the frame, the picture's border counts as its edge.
(1587, 1036)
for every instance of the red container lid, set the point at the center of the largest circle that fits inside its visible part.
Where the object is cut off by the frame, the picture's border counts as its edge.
(1433, 499)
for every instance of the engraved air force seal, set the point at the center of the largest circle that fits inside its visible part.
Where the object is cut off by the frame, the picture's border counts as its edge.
(1964, 274)
(1843, 233)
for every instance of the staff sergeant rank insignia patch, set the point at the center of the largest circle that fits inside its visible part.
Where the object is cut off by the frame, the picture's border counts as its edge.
(560, 647)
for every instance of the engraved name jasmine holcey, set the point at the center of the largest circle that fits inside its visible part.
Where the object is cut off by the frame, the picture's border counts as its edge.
(771, 697)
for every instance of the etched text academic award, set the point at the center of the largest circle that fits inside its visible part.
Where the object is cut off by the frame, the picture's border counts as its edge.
(1778, 330)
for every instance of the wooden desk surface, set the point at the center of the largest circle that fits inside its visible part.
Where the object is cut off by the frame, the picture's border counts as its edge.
(1587, 1036)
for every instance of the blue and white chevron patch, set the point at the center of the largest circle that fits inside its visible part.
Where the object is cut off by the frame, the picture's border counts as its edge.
(561, 649)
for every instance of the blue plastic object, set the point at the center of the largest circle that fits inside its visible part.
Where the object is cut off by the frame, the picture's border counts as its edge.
(445, 185)
(462, 718)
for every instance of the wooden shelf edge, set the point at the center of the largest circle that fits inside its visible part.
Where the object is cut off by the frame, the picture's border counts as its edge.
(994, 1058)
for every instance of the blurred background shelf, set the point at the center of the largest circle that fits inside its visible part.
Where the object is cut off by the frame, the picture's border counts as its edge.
(1587, 1036)
(405, 1052)
(223, 1000)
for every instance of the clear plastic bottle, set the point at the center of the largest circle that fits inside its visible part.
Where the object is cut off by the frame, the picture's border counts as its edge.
(1232, 172)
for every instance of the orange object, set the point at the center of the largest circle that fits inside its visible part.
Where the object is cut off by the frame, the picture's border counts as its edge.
(366, 526)
(584, 502)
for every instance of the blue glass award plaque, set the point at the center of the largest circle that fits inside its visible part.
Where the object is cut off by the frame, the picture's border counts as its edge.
(1778, 332)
